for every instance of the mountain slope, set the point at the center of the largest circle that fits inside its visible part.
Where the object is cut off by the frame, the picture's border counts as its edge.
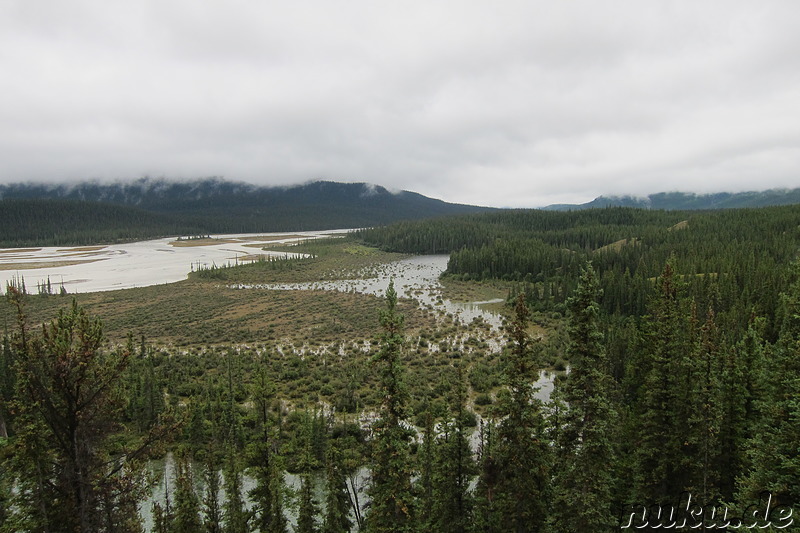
(41, 214)
(683, 201)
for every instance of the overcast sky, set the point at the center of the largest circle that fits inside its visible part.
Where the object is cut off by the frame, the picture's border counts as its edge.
(503, 103)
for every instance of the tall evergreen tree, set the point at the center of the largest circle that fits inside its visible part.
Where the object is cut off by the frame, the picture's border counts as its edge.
(426, 458)
(706, 419)
(454, 467)
(773, 447)
(742, 373)
(187, 505)
(261, 453)
(522, 453)
(390, 489)
(337, 502)
(586, 431)
(487, 513)
(212, 511)
(307, 510)
(235, 516)
(661, 412)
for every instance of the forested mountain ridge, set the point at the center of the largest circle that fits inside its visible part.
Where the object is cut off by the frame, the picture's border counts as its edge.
(40, 214)
(180, 196)
(684, 200)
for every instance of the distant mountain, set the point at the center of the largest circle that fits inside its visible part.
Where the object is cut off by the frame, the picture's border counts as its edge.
(43, 212)
(691, 201)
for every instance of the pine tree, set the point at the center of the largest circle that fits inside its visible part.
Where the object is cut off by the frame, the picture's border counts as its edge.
(706, 420)
(452, 504)
(187, 505)
(337, 502)
(261, 453)
(212, 511)
(163, 516)
(661, 412)
(307, 508)
(742, 372)
(486, 516)
(390, 490)
(425, 463)
(586, 423)
(278, 523)
(773, 449)
(522, 452)
(235, 516)
(69, 400)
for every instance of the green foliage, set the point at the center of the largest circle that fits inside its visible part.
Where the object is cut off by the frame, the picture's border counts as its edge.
(586, 423)
(772, 447)
(337, 502)
(391, 508)
(187, 504)
(68, 401)
(521, 454)
(453, 469)
(744, 250)
(235, 518)
(682, 376)
(308, 510)
(212, 510)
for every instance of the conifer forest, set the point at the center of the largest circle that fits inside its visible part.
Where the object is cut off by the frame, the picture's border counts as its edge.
(644, 375)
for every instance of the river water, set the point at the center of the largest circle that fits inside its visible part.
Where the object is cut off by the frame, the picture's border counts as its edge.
(135, 264)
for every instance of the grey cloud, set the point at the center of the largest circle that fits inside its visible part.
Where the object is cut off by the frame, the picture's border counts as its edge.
(517, 104)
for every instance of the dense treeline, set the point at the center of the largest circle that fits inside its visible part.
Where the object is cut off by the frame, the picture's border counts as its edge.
(48, 222)
(742, 252)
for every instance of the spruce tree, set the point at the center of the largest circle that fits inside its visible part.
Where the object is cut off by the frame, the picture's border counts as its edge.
(261, 453)
(307, 509)
(705, 423)
(773, 447)
(212, 511)
(278, 522)
(522, 453)
(187, 505)
(487, 513)
(661, 431)
(390, 491)
(452, 504)
(425, 463)
(742, 373)
(235, 516)
(586, 423)
(337, 502)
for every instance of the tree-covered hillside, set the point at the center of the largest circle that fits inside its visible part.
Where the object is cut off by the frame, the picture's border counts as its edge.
(682, 200)
(60, 214)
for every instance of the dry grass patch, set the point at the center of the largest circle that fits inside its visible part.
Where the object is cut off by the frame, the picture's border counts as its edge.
(47, 264)
(19, 250)
(185, 243)
(81, 249)
(683, 224)
(205, 313)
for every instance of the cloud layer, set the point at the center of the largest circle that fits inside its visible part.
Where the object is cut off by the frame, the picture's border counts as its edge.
(514, 103)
